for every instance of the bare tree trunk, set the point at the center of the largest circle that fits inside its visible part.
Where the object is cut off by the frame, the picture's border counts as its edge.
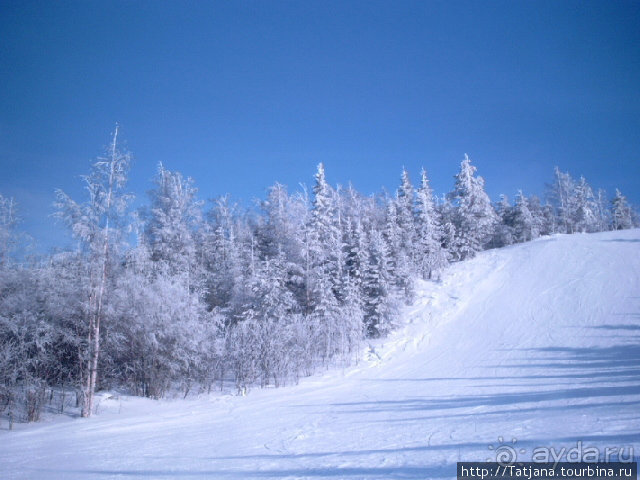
(85, 373)
(94, 325)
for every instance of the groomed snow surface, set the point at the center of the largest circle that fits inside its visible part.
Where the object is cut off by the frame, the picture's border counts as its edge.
(538, 342)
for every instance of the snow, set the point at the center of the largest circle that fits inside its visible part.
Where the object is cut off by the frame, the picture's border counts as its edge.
(537, 343)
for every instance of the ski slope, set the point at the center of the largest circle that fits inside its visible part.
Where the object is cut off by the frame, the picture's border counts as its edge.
(538, 342)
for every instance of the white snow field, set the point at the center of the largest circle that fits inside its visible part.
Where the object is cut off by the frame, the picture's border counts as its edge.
(538, 342)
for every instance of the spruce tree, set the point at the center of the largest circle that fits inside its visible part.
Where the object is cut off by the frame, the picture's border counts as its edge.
(474, 217)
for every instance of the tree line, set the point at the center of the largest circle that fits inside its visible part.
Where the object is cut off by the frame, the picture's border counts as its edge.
(256, 297)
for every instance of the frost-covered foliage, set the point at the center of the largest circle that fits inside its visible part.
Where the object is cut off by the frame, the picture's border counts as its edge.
(208, 295)
(8, 221)
(97, 224)
(474, 218)
(621, 212)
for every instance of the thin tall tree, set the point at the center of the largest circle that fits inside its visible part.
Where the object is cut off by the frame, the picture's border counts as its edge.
(97, 224)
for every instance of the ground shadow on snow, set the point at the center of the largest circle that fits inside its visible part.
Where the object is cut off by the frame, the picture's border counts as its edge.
(567, 379)
(622, 240)
(410, 472)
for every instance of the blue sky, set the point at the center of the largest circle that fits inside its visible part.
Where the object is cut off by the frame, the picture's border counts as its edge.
(241, 94)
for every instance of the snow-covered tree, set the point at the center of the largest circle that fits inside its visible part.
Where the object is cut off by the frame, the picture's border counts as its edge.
(504, 229)
(538, 215)
(325, 229)
(356, 250)
(430, 256)
(97, 223)
(173, 222)
(584, 216)
(353, 321)
(446, 215)
(601, 212)
(399, 263)
(405, 216)
(621, 213)
(261, 295)
(161, 294)
(269, 312)
(163, 331)
(474, 217)
(8, 222)
(524, 225)
(225, 242)
(379, 301)
(561, 196)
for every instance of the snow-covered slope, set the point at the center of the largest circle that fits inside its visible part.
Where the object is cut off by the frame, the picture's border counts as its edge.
(538, 342)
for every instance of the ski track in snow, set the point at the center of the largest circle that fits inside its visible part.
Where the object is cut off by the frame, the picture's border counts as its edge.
(538, 342)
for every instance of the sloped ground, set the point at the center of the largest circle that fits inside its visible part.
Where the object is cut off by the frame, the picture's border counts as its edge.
(539, 343)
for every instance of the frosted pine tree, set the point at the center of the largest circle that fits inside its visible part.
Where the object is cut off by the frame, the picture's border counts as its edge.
(537, 213)
(621, 215)
(326, 265)
(603, 220)
(504, 232)
(392, 235)
(222, 256)
(173, 231)
(399, 262)
(282, 233)
(379, 300)
(523, 222)
(405, 216)
(352, 312)
(584, 208)
(446, 213)
(355, 248)
(474, 216)
(284, 216)
(428, 245)
(173, 223)
(326, 235)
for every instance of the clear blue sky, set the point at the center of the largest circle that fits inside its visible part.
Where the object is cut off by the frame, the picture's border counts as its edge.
(241, 94)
